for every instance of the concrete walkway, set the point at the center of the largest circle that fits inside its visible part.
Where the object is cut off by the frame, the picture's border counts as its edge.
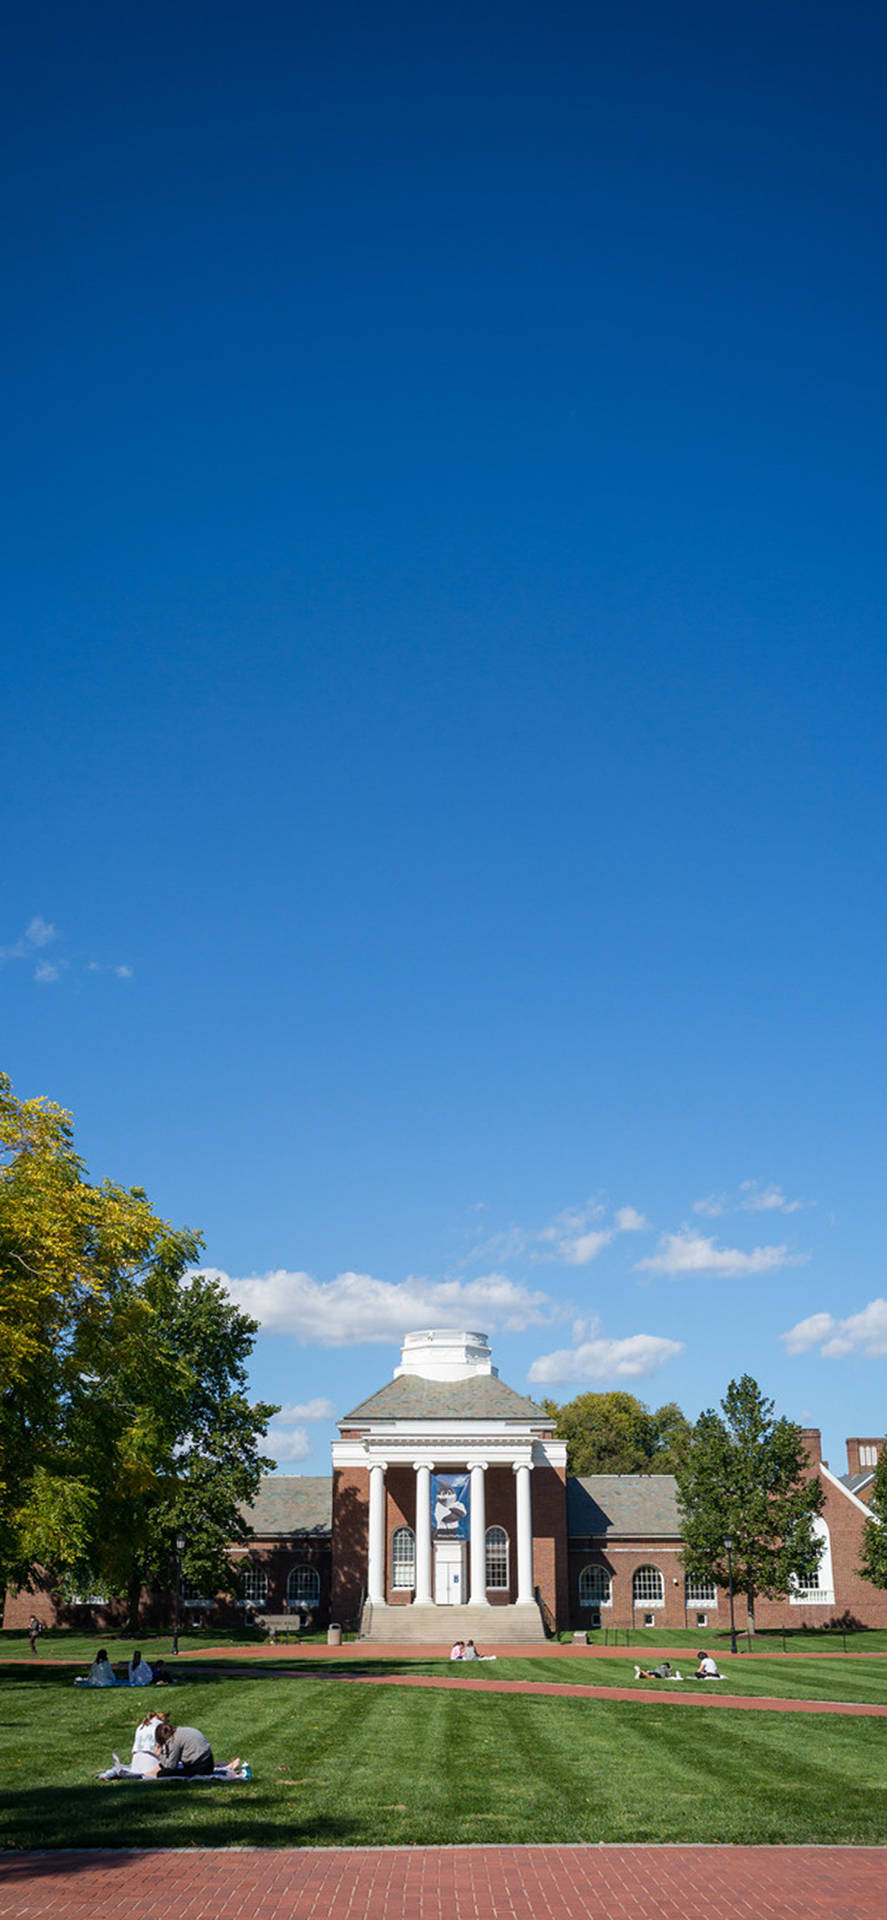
(442, 1883)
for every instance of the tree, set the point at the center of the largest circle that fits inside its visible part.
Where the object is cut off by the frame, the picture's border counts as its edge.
(122, 1379)
(615, 1433)
(873, 1565)
(747, 1477)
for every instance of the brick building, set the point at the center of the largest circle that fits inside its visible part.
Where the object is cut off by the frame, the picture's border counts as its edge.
(449, 1514)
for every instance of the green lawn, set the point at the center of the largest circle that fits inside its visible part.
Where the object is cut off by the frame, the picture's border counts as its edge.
(342, 1764)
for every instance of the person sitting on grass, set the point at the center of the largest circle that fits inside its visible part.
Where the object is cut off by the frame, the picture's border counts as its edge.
(145, 1757)
(707, 1668)
(101, 1673)
(458, 1651)
(186, 1751)
(471, 1653)
(162, 1675)
(140, 1674)
(662, 1672)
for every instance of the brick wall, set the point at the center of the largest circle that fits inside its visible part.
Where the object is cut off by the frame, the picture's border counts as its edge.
(351, 1506)
(549, 1498)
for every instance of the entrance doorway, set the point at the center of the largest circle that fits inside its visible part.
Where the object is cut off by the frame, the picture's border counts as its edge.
(449, 1573)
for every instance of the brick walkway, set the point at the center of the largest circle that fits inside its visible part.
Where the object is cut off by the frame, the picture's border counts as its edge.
(442, 1883)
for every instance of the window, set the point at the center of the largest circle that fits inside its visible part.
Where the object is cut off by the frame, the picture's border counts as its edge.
(303, 1587)
(701, 1593)
(819, 1588)
(647, 1587)
(497, 1558)
(595, 1587)
(88, 1599)
(255, 1586)
(868, 1456)
(403, 1558)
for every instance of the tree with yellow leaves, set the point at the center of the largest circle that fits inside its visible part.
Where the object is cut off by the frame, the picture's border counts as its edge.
(119, 1372)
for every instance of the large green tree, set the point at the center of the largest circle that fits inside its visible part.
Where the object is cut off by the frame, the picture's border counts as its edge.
(616, 1433)
(746, 1476)
(873, 1565)
(123, 1413)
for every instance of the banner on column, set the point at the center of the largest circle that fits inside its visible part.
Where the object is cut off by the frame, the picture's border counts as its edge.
(450, 1506)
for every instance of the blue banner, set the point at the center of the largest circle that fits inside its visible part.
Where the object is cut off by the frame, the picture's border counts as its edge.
(450, 1506)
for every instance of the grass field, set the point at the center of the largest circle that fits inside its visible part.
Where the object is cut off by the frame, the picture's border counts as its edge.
(343, 1764)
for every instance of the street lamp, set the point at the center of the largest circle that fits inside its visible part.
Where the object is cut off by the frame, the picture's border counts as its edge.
(728, 1543)
(180, 1548)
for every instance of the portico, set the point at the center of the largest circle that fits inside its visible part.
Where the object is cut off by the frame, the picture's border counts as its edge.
(435, 1481)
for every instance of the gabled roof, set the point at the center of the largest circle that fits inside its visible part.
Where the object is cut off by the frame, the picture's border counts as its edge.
(292, 1503)
(411, 1398)
(854, 1482)
(639, 1505)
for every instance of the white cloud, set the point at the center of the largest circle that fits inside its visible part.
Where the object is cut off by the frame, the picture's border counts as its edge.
(306, 1410)
(572, 1238)
(753, 1197)
(123, 973)
(38, 933)
(597, 1358)
(771, 1199)
(286, 1445)
(628, 1220)
(864, 1332)
(45, 971)
(354, 1308)
(689, 1252)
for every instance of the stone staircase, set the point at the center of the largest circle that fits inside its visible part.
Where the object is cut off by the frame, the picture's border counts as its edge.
(431, 1626)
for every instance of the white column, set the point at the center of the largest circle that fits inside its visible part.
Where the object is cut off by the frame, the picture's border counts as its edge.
(423, 1532)
(376, 1557)
(524, 1537)
(478, 1594)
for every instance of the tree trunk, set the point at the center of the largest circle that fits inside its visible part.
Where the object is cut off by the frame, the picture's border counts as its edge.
(750, 1608)
(133, 1603)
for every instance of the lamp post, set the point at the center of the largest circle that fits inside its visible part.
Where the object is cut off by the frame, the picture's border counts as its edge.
(728, 1543)
(180, 1548)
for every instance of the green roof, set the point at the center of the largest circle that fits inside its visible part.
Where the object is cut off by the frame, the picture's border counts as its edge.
(411, 1398)
(292, 1503)
(637, 1505)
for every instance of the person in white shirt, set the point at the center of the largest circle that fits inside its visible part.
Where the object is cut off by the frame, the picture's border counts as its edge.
(140, 1674)
(707, 1668)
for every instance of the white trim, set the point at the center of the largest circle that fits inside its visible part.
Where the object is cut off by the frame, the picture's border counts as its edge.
(833, 1478)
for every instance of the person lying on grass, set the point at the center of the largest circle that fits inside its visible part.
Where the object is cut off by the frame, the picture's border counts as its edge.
(707, 1668)
(664, 1671)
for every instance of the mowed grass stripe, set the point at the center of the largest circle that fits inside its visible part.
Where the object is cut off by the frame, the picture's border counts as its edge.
(364, 1766)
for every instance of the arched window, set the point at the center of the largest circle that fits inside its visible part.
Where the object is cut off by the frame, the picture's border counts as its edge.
(595, 1587)
(647, 1587)
(497, 1558)
(819, 1588)
(403, 1558)
(700, 1592)
(303, 1587)
(255, 1586)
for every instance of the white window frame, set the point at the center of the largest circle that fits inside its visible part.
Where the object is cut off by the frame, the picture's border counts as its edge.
(642, 1586)
(595, 1586)
(403, 1557)
(700, 1593)
(303, 1576)
(255, 1586)
(497, 1560)
(823, 1594)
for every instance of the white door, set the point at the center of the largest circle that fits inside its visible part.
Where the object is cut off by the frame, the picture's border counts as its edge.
(449, 1570)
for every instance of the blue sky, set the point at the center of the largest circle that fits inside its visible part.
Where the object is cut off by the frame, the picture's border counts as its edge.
(445, 677)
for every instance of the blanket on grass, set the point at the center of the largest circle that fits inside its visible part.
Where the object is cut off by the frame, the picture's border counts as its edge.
(217, 1778)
